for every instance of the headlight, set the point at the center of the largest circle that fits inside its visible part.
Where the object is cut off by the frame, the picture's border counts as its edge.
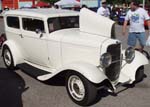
(129, 54)
(106, 60)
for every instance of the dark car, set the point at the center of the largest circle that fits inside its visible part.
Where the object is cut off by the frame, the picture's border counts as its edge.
(114, 13)
(121, 16)
(2, 39)
(145, 23)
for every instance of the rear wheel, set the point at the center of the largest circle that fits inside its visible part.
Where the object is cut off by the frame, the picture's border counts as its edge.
(139, 74)
(7, 58)
(80, 90)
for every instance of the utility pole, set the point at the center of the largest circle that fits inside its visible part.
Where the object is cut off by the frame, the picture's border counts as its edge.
(143, 3)
(13, 4)
(18, 4)
(0, 5)
(81, 2)
(99, 3)
(33, 2)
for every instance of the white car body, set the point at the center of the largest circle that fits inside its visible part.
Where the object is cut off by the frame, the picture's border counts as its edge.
(75, 49)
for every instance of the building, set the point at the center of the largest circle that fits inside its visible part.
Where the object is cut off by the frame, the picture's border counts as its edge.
(92, 3)
(15, 4)
(0, 5)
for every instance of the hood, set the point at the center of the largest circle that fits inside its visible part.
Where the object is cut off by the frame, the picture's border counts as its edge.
(74, 36)
(79, 46)
(93, 23)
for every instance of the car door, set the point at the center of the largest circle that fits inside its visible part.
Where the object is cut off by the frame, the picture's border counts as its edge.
(12, 29)
(34, 41)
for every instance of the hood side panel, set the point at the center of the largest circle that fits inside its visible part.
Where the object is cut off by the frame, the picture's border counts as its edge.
(83, 47)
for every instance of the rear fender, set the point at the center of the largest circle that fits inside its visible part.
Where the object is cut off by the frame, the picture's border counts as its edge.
(16, 54)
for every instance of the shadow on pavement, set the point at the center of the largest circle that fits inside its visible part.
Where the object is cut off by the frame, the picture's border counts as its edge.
(104, 93)
(58, 80)
(11, 88)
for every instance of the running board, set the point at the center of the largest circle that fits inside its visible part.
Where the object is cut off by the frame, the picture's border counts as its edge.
(31, 70)
(47, 76)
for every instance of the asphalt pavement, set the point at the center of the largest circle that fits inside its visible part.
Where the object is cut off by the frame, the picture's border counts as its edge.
(17, 89)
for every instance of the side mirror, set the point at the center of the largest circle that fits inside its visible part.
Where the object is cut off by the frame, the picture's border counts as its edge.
(38, 31)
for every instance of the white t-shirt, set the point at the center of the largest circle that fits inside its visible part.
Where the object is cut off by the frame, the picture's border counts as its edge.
(103, 11)
(137, 19)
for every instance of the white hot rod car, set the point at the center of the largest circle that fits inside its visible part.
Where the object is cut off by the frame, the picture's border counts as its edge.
(81, 46)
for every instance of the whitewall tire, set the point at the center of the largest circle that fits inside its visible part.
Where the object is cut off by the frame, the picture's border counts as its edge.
(7, 58)
(80, 90)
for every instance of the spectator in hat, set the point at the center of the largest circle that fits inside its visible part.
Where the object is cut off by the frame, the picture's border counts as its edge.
(103, 10)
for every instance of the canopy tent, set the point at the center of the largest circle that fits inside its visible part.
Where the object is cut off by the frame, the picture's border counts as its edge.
(27, 6)
(41, 4)
(67, 2)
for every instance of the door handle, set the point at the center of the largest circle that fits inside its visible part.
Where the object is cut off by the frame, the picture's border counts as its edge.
(21, 35)
(41, 35)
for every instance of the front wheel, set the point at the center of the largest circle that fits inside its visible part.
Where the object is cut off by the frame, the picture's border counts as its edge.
(7, 58)
(80, 90)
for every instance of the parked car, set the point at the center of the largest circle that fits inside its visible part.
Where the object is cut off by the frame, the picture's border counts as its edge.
(114, 14)
(2, 39)
(145, 22)
(50, 42)
(121, 16)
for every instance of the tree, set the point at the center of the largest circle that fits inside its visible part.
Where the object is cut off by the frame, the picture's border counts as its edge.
(50, 1)
(123, 1)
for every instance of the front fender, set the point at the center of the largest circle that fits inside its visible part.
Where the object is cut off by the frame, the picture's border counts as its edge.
(16, 54)
(130, 69)
(91, 72)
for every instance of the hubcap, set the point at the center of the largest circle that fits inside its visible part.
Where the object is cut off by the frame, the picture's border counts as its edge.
(76, 88)
(7, 57)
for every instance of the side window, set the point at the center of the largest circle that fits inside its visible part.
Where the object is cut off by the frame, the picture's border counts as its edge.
(13, 22)
(30, 24)
(69, 22)
(53, 24)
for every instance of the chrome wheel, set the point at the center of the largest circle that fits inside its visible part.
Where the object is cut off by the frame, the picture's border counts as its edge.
(7, 57)
(76, 88)
(80, 89)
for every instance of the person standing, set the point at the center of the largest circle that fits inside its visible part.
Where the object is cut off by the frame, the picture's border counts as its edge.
(103, 10)
(136, 16)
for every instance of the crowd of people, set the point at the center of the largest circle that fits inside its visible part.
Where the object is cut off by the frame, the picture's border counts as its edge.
(136, 16)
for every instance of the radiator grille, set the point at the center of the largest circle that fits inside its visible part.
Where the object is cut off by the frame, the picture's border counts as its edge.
(113, 71)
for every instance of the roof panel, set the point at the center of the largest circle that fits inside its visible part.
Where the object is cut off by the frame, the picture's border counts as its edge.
(42, 12)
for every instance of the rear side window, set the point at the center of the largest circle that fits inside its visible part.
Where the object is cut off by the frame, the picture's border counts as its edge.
(13, 22)
(30, 24)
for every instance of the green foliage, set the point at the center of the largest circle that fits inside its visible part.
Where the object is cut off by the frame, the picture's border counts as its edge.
(122, 1)
(50, 1)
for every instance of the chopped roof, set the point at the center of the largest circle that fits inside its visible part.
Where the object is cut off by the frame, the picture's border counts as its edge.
(42, 12)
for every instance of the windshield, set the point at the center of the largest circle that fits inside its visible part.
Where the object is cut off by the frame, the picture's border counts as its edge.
(63, 23)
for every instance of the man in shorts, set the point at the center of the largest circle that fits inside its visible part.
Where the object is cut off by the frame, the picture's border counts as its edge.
(136, 15)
